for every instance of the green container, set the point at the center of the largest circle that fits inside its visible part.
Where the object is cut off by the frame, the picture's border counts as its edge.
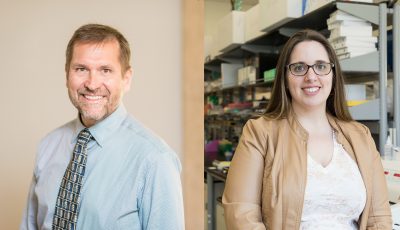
(269, 75)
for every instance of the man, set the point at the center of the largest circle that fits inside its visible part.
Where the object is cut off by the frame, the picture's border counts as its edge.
(103, 170)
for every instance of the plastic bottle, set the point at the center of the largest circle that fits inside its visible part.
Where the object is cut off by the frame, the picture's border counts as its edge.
(388, 154)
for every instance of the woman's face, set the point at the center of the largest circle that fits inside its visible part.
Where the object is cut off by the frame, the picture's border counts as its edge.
(309, 92)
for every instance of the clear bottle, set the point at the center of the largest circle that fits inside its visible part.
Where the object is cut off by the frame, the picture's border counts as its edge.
(388, 154)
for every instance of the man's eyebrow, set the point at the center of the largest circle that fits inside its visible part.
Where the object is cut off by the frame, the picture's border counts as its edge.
(106, 66)
(75, 65)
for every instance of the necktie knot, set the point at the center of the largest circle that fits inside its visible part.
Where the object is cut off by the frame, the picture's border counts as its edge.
(84, 136)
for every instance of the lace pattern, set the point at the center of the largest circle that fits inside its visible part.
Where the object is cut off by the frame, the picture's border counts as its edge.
(335, 195)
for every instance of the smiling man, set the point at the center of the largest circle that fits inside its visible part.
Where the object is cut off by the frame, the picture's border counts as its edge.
(103, 170)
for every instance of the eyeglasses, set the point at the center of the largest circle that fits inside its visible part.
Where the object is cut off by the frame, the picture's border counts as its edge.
(301, 69)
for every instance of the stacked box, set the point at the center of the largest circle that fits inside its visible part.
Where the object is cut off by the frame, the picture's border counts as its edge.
(311, 5)
(230, 30)
(247, 75)
(350, 36)
(274, 13)
(252, 23)
(229, 74)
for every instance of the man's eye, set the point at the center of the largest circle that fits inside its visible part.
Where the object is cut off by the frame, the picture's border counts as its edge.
(80, 69)
(107, 71)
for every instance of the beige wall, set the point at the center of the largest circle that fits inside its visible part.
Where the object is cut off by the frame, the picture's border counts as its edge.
(33, 37)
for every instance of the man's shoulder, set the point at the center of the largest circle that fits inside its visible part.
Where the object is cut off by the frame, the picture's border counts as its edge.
(151, 147)
(59, 132)
(52, 141)
(147, 139)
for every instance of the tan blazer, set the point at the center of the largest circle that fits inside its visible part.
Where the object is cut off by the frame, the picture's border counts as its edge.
(266, 181)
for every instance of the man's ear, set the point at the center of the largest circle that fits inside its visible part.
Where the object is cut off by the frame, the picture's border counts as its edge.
(66, 79)
(127, 79)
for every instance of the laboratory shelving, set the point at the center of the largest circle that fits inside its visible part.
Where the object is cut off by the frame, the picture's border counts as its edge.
(365, 68)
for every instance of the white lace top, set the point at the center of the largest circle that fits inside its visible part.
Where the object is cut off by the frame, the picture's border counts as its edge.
(335, 195)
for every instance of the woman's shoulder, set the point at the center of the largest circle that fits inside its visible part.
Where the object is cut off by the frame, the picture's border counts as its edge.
(353, 126)
(263, 122)
(263, 125)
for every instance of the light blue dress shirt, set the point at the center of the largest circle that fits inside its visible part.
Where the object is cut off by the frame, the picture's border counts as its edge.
(132, 178)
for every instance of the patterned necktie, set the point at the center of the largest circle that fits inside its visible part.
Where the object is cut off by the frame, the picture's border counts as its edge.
(67, 205)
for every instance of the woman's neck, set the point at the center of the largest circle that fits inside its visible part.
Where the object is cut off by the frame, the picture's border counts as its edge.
(314, 121)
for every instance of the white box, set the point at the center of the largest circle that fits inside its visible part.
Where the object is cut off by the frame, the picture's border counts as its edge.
(351, 41)
(339, 15)
(335, 24)
(247, 75)
(354, 50)
(351, 31)
(229, 74)
(274, 13)
(230, 30)
(252, 23)
(355, 92)
(310, 5)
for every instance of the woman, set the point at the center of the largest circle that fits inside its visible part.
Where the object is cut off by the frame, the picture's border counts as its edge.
(306, 164)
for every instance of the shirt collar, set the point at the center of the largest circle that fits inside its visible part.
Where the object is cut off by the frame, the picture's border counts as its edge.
(102, 130)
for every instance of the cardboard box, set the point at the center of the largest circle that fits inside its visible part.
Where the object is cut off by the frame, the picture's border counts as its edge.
(247, 75)
(310, 5)
(229, 74)
(230, 30)
(355, 92)
(274, 13)
(252, 23)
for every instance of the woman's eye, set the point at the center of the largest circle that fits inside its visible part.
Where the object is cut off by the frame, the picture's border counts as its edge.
(299, 68)
(321, 66)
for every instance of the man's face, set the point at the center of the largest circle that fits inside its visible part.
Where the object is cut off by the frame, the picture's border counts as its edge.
(95, 81)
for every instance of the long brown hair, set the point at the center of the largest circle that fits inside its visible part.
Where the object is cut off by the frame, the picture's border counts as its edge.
(280, 103)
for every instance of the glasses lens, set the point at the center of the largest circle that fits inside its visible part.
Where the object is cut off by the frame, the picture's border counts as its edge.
(298, 69)
(322, 68)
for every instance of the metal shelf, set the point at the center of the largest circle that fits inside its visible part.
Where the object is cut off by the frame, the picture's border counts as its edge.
(364, 63)
(368, 111)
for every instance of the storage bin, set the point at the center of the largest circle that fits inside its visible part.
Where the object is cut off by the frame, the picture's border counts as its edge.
(274, 13)
(230, 30)
(252, 23)
(229, 74)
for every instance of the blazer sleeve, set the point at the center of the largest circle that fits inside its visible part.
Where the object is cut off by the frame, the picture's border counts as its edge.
(242, 195)
(379, 217)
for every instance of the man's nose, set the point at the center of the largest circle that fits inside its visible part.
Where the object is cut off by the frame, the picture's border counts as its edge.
(93, 80)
